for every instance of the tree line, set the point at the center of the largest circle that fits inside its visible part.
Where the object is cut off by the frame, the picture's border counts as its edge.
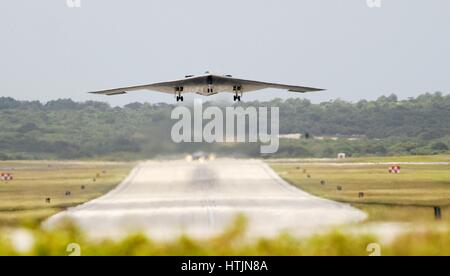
(64, 129)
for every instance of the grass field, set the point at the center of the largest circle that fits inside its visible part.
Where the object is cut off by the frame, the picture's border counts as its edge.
(408, 196)
(24, 199)
(373, 159)
(409, 158)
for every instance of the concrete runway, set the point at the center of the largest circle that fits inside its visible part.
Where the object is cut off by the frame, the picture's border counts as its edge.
(166, 199)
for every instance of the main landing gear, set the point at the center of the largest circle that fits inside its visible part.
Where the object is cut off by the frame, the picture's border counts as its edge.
(178, 91)
(237, 90)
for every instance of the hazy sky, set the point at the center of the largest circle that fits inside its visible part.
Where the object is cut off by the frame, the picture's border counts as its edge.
(49, 51)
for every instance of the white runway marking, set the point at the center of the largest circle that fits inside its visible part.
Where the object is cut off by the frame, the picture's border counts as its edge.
(166, 199)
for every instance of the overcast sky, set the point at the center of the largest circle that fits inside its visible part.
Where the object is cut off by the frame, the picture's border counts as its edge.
(49, 51)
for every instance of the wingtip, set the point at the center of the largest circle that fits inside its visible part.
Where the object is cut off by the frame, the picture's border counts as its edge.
(308, 90)
(95, 93)
(111, 93)
(316, 90)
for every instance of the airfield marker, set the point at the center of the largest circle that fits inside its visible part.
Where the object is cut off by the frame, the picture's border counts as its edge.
(6, 177)
(438, 213)
(394, 169)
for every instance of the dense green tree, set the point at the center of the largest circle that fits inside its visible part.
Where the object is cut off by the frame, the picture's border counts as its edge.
(439, 146)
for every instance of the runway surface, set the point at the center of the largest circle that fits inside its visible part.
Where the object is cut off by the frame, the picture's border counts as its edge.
(166, 199)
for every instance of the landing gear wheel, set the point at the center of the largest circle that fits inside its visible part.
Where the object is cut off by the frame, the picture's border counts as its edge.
(180, 98)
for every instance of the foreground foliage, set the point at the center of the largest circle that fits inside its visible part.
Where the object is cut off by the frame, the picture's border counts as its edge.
(233, 242)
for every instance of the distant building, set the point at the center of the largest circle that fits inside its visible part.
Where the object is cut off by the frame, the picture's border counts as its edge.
(292, 136)
(342, 155)
(322, 138)
(335, 138)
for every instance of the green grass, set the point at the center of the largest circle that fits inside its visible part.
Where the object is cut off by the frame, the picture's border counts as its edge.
(408, 196)
(372, 159)
(408, 158)
(24, 198)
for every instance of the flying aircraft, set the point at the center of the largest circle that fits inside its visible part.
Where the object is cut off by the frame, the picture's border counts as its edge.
(207, 85)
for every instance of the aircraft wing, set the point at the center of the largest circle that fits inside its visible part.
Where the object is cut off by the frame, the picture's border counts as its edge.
(250, 85)
(164, 87)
